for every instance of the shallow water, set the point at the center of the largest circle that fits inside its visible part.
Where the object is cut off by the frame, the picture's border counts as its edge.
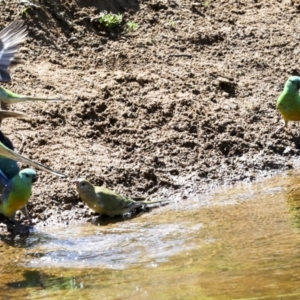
(244, 245)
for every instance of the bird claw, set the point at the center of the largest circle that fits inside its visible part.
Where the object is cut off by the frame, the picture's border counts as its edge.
(280, 129)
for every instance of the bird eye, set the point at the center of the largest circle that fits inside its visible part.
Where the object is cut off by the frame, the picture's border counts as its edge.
(27, 175)
(83, 183)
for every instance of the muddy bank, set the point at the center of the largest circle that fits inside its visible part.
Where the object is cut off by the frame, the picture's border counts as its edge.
(183, 103)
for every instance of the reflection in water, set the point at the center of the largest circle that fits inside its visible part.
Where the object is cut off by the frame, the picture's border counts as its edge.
(293, 199)
(34, 278)
(245, 245)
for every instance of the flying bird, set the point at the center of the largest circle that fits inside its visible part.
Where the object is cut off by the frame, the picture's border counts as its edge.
(10, 39)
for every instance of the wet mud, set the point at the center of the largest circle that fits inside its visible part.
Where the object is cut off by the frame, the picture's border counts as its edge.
(182, 104)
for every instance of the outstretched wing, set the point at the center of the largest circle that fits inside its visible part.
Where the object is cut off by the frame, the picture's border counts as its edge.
(10, 39)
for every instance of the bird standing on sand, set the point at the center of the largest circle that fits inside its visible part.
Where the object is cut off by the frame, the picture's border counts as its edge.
(105, 201)
(16, 192)
(288, 102)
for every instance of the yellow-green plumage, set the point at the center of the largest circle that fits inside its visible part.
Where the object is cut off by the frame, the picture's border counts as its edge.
(105, 201)
(16, 192)
(288, 102)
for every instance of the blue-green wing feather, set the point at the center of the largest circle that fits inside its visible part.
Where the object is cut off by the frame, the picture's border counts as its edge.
(5, 186)
(8, 166)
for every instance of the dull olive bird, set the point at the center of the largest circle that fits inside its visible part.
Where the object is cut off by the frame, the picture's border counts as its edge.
(105, 201)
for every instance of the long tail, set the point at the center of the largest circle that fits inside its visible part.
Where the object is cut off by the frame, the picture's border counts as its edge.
(4, 151)
(9, 97)
(12, 114)
(153, 201)
(25, 98)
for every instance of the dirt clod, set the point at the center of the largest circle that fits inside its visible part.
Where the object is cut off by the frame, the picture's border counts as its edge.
(185, 101)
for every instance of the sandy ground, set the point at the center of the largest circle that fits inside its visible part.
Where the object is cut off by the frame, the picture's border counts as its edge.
(182, 104)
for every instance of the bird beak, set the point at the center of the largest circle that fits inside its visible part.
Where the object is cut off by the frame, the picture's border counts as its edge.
(75, 182)
(34, 178)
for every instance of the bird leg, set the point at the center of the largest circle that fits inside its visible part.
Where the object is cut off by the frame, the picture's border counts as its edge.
(24, 211)
(23, 140)
(282, 127)
(4, 105)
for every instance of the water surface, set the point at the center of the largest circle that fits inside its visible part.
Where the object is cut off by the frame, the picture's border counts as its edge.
(244, 245)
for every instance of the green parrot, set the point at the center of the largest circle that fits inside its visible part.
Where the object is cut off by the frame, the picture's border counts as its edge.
(16, 192)
(10, 39)
(288, 102)
(105, 201)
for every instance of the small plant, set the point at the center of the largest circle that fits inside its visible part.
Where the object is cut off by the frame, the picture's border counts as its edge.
(132, 26)
(206, 3)
(111, 20)
(25, 12)
(172, 23)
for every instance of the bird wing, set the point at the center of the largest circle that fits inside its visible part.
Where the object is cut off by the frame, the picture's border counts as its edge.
(6, 141)
(9, 167)
(5, 187)
(113, 202)
(10, 39)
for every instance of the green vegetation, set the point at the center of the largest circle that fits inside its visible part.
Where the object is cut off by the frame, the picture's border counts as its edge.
(172, 23)
(206, 3)
(132, 26)
(111, 20)
(25, 12)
